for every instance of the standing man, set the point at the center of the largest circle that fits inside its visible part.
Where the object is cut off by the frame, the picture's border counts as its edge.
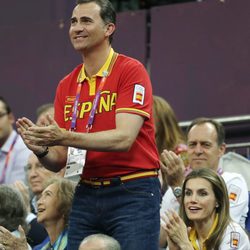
(13, 152)
(206, 145)
(103, 117)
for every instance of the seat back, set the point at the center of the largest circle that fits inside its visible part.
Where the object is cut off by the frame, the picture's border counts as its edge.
(233, 162)
(248, 215)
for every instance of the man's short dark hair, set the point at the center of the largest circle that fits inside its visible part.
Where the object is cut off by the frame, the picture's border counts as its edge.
(107, 11)
(6, 105)
(218, 127)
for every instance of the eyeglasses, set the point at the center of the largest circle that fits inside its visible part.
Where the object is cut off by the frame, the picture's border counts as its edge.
(3, 114)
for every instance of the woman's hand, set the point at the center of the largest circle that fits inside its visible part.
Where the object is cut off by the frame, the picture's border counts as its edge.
(177, 232)
(9, 241)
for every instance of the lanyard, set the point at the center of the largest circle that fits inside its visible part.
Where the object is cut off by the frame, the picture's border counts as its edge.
(95, 102)
(220, 171)
(194, 238)
(7, 159)
(74, 115)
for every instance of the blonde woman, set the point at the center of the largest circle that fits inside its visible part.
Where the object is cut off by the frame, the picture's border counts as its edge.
(168, 133)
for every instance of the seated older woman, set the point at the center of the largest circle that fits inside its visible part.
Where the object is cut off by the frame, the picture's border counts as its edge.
(204, 221)
(53, 209)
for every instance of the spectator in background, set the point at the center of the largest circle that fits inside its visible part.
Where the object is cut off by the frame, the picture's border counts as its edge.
(99, 242)
(205, 209)
(53, 208)
(13, 152)
(42, 111)
(206, 145)
(53, 211)
(12, 215)
(37, 175)
(168, 134)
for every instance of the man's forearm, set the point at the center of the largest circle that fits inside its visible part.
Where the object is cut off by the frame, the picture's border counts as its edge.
(56, 158)
(109, 140)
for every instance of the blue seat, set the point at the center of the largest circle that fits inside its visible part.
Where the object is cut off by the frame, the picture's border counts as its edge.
(248, 214)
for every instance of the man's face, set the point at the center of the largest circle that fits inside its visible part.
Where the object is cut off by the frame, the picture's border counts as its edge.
(37, 174)
(87, 30)
(6, 123)
(203, 149)
(41, 119)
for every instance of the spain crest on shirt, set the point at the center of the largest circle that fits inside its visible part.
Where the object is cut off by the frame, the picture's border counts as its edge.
(139, 93)
(234, 193)
(234, 240)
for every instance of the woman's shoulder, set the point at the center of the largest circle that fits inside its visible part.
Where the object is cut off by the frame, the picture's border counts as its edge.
(235, 237)
(235, 227)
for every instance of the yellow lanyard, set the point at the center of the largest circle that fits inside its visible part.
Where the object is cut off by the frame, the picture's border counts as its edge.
(193, 235)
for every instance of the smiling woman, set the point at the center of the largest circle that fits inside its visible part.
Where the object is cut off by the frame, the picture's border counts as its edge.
(205, 210)
(53, 209)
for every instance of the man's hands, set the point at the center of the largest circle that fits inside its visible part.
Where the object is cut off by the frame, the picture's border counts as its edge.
(37, 138)
(174, 168)
(23, 124)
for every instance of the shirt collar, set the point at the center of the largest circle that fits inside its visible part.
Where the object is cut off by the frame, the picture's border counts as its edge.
(82, 76)
(6, 146)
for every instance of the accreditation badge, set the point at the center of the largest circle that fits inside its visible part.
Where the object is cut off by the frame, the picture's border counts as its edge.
(75, 162)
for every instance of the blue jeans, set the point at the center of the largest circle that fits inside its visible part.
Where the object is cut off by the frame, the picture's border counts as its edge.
(128, 211)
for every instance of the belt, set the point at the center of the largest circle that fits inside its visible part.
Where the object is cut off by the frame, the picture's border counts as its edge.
(117, 180)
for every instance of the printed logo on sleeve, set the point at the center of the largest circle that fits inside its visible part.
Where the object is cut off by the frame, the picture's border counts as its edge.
(234, 193)
(139, 93)
(234, 240)
(70, 99)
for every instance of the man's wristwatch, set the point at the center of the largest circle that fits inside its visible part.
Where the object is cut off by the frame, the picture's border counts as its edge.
(41, 155)
(177, 192)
